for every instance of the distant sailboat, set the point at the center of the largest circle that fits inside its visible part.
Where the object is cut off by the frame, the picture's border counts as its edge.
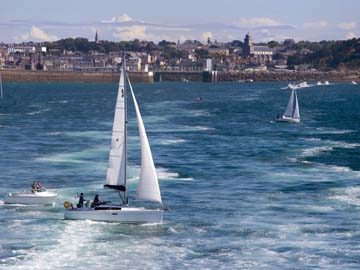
(292, 112)
(148, 186)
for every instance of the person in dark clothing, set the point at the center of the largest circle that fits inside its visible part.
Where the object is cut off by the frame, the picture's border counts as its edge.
(97, 200)
(81, 200)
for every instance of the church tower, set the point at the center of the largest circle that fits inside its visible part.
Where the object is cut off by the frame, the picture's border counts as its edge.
(248, 45)
(96, 37)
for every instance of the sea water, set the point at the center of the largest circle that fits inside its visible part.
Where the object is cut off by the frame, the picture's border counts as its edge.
(242, 191)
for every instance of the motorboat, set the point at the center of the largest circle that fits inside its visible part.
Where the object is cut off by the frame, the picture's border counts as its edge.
(43, 197)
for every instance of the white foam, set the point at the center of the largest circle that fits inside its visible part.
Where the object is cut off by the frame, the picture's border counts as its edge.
(39, 111)
(75, 157)
(314, 151)
(326, 146)
(203, 128)
(199, 112)
(349, 195)
(172, 141)
(312, 139)
(321, 130)
(165, 174)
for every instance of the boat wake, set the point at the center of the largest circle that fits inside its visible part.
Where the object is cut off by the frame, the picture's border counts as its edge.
(323, 130)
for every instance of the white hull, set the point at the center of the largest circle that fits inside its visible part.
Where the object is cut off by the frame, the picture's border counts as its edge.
(29, 198)
(287, 120)
(129, 215)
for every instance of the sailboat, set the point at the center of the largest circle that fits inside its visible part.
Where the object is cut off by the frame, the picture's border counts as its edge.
(116, 178)
(292, 112)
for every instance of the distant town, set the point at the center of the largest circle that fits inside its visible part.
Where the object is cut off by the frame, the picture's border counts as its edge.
(190, 56)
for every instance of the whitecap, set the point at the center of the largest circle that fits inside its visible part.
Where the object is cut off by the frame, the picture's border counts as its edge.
(321, 130)
(314, 151)
(171, 141)
(75, 157)
(199, 113)
(165, 174)
(37, 112)
(349, 195)
(312, 139)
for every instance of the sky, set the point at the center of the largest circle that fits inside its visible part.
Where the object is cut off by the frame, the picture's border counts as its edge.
(156, 20)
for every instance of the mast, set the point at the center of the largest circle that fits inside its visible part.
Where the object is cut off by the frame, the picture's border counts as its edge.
(125, 129)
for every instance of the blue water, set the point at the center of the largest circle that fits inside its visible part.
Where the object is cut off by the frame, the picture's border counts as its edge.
(243, 192)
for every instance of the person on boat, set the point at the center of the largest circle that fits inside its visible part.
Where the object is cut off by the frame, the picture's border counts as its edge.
(33, 187)
(97, 201)
(38, 186)
(81, 200)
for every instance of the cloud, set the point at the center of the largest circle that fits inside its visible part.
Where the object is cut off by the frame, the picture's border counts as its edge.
(123, 18)
(131, 32)
(347, 25)
(206, 35)
(350, 35)
(257, 22)
(37, 34)
(315, 24)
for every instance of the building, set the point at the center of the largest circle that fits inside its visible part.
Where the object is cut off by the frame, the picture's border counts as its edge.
(96, 37)
(257, 54)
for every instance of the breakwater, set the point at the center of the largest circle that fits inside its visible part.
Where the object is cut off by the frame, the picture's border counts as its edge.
(266, 76)
(158, 76)
(71, 76)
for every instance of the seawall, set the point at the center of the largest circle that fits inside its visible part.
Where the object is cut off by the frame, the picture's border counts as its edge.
(71, 76)
(158, 76)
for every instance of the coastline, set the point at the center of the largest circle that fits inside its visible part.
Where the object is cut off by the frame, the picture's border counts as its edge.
(149, 77)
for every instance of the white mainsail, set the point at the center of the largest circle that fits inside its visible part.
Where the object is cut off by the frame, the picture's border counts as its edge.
(296, 113)
(116, 172)
(290, 106)
(148, 186)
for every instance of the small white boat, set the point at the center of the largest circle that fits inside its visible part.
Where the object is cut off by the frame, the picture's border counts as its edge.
(291, 85)
(31, 198)
(292, 112)
(116, 178)
(353, 82)
(319, 83)
(326, 83)
(302, 85)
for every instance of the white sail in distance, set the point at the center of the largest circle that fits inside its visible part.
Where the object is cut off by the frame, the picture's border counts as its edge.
(290, 106)
(116, 172)
(148, 186)
(296, 113)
